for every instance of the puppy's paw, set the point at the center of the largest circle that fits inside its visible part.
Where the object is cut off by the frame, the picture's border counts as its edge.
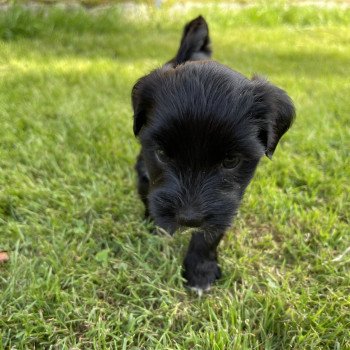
(199, 291)
(200, 273)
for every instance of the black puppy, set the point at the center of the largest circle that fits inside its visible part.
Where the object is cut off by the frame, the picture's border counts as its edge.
(203, 129)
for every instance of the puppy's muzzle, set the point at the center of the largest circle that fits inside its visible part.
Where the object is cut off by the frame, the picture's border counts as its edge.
(189, 217)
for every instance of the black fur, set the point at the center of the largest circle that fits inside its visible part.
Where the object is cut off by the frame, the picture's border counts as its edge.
(193, 118)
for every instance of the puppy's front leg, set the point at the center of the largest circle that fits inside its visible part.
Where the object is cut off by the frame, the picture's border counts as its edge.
(200, 265)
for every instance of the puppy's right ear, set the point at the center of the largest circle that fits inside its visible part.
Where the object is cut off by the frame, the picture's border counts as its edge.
(142, 102)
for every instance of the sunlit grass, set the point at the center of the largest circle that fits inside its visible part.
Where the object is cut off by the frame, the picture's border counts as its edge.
(84, 272)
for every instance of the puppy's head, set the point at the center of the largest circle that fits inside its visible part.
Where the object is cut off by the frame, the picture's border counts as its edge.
(203, 129)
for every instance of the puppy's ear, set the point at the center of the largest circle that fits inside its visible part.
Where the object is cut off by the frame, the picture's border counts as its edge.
(142, 102)
(275, 112)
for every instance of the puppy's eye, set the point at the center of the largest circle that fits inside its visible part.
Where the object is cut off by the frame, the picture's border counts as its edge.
(161, 156)
(230, 162)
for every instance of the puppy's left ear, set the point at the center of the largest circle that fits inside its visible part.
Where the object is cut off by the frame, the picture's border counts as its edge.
(275, 111)
(142, 102)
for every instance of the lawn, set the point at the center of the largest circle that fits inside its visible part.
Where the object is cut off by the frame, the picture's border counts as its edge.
(84, 272)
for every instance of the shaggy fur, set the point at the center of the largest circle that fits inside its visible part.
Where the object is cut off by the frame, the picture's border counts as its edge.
(203, 129)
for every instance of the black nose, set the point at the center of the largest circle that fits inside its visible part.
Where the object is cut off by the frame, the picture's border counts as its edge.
(189, 217)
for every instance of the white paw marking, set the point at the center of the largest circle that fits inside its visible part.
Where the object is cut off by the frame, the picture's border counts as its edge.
(199, 290)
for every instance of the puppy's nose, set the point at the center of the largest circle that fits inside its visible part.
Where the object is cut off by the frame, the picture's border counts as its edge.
(189, 217)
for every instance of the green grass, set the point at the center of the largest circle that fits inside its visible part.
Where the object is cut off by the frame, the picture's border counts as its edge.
(84, 272)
